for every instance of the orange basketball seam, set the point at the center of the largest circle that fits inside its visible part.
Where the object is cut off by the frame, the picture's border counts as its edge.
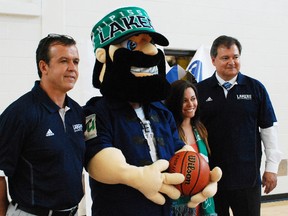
(189, 165)
(198, 175)
(181, 170)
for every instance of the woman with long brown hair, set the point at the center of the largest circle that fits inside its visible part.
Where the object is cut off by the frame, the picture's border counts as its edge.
(183, 103)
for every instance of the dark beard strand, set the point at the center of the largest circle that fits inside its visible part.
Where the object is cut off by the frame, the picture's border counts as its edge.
(120, 83)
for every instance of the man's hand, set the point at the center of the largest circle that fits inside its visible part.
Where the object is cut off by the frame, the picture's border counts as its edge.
(269, 181)
(209, 191)
(3, 196)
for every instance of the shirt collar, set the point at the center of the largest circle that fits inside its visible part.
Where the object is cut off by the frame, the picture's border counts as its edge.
(46, 101)
(221, 81)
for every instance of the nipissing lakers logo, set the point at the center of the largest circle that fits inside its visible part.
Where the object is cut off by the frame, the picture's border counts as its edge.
(123, 25)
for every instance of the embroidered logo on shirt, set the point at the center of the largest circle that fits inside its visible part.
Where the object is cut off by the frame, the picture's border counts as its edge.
(49, 133)
(209, 99)
(91, 131)
(77, 127)
(244, 97)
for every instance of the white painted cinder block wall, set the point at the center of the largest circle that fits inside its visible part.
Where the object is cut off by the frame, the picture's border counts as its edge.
(260, 25)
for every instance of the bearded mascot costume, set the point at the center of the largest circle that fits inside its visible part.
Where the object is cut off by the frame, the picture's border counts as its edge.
(130, 134)
(119, 82)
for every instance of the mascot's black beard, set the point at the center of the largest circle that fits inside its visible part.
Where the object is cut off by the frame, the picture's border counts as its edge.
(120, 83)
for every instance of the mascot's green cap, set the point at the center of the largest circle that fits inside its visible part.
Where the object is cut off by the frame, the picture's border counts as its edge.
(123, 23)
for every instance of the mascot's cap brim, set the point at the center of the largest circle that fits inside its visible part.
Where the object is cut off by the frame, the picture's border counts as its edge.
(123, 23)
(157, 37)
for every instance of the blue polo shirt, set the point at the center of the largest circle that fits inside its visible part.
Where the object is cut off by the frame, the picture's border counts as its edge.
(117, 125)
(42, 156)
(233, 128)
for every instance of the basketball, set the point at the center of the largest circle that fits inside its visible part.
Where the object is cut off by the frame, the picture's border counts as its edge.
(195, 169)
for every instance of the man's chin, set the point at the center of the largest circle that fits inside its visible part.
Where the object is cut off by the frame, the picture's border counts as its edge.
(69, 86)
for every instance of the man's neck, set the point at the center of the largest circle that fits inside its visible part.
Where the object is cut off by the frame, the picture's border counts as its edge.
(135, 105)
(56, 96)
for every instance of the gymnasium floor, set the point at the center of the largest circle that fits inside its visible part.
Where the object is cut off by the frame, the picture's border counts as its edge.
(279, 208)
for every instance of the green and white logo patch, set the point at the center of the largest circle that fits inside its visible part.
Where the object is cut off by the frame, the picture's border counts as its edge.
(91, 131)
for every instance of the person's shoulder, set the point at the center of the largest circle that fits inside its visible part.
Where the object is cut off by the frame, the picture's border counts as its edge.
(245, 79)
(159, 105)
(206, 82)
(95, 102)
(22, 102)
(95, 105)
(73, 103)
(21, 108)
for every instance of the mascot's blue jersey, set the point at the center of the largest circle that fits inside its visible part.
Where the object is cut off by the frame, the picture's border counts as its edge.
(115, 124)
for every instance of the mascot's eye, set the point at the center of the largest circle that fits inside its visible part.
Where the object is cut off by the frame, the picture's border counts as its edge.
(130, 45)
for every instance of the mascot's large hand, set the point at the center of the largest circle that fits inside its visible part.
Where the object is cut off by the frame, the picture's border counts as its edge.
(109, 166)
(150, 180)
(209, 191)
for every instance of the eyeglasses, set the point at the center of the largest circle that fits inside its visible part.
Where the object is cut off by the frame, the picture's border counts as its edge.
(52, 35)
(50, 38)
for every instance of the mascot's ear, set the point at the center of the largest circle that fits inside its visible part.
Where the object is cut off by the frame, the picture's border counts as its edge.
(101, 55)
(99, 69)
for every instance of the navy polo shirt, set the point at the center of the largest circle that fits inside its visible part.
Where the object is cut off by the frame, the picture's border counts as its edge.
(42, 156)
(117, 125)
(233, 128)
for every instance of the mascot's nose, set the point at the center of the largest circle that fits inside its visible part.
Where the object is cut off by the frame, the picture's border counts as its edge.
(145, 44)
(149, 49)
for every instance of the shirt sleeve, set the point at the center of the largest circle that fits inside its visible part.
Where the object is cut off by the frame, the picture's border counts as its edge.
(2, 174)
(272, 151)
(12, 133)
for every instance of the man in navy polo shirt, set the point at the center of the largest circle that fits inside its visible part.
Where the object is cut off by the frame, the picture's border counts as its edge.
(42, 141)
(238, 116)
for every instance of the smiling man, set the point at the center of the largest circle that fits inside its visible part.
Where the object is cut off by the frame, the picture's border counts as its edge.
(238, 114)
(42, 138)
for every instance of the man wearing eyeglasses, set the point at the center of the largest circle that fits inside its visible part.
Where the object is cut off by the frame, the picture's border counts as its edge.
(239, 116)
(42, 142)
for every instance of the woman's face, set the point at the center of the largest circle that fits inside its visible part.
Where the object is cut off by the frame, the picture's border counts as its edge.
(190, 103)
